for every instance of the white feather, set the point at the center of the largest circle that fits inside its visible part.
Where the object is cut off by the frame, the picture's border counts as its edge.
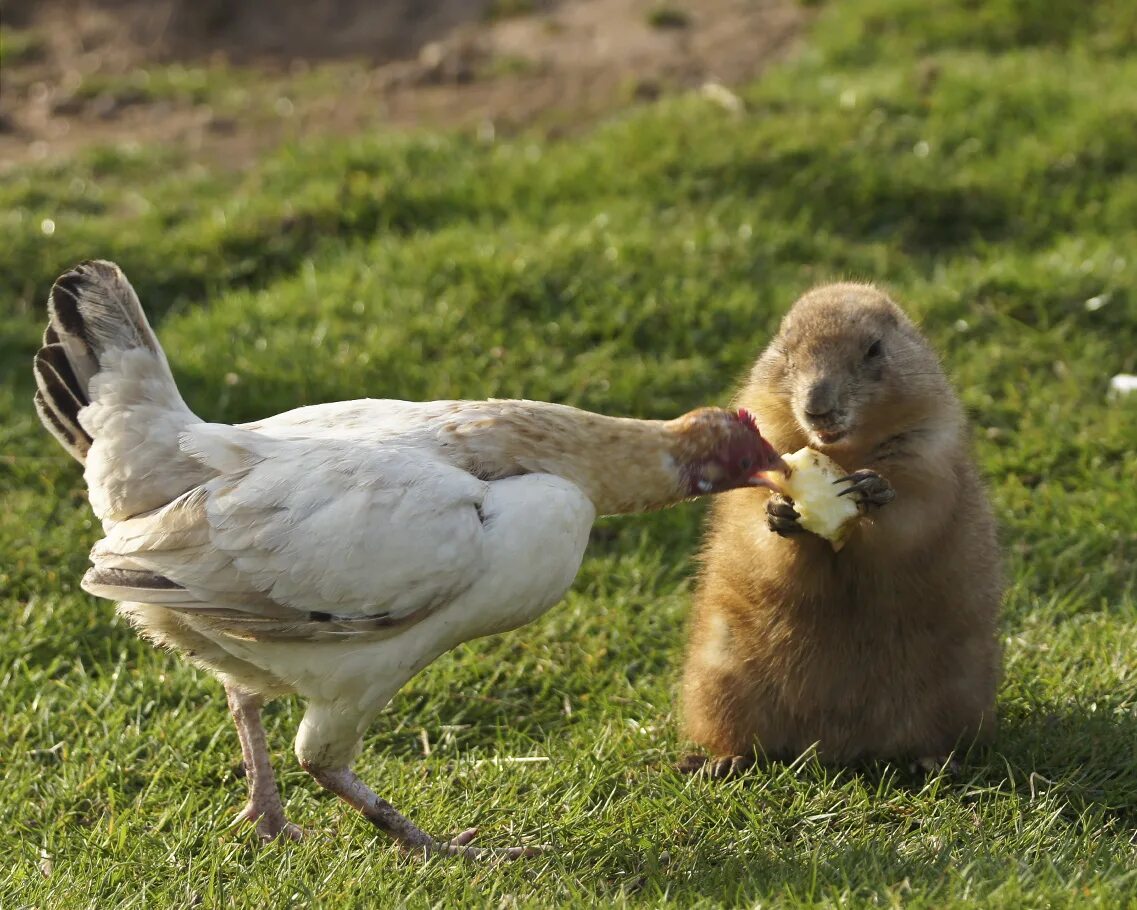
(340, 564)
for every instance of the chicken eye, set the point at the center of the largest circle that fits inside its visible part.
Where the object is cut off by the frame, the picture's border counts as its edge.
(875, 350)
(745, 464)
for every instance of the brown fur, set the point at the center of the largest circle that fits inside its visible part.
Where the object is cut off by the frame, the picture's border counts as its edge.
(888, 648)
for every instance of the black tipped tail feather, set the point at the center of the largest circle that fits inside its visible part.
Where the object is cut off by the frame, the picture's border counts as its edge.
(59, 397)
(91, 309)
(105, 391)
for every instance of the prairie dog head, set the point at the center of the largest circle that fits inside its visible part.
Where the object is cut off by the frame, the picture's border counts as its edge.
(850, 368)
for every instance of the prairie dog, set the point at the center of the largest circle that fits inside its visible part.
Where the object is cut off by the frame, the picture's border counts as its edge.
(888, 648)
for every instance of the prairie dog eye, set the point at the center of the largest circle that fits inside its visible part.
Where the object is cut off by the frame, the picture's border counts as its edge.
(876, 349)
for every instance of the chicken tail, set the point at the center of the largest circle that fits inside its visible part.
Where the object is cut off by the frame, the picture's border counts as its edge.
(91, 309)
(105, 391)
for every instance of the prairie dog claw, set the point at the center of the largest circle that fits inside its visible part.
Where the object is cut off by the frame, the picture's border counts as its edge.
(781, 516)
(867, 488)
(719, 767)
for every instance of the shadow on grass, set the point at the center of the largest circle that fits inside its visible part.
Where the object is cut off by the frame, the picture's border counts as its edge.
(1084, 752)
(749, 879)
(1072, 762)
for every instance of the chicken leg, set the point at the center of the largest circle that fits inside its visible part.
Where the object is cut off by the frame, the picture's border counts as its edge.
(345, 784)
(264, 806)
(326, 745)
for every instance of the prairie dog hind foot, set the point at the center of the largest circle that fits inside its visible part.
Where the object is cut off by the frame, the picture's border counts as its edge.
(719, 767)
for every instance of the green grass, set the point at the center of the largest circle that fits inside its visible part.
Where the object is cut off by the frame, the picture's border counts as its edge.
(509, 9)
(20, 46)
(976, 158)
(220, 85)
(665, 16)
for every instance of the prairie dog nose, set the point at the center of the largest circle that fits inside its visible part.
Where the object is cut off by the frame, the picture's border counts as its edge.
(821, 399)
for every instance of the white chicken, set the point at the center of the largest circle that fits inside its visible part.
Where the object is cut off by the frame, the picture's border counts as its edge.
(333, 551)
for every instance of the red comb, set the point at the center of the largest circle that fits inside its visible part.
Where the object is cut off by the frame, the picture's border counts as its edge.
(747, 419)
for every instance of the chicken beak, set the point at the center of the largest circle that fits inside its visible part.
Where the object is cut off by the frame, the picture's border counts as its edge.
(768, 478)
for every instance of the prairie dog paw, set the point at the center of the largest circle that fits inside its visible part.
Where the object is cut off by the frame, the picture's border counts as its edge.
(781, 516)
(719, 767)
(932, 765)
(867, 489)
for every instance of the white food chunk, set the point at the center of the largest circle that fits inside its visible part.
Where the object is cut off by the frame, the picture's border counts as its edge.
(811, 486)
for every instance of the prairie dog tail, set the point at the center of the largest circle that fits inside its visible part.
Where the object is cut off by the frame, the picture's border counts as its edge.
(105, 391)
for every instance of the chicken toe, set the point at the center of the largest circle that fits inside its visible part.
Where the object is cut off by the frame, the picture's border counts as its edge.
(269, 824)
(264, 807)
(347, 786)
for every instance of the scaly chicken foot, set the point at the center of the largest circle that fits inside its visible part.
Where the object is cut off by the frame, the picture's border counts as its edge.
(264, 807)
(347, 786)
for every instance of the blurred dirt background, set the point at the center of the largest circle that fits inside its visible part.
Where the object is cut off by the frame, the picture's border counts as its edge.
(228, 79)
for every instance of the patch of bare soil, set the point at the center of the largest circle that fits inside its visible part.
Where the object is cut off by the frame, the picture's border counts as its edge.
(226, 80)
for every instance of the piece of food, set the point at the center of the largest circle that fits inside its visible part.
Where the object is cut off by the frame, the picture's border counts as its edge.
(811, 484)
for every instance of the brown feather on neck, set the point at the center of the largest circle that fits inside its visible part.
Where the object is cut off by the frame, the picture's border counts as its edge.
(622, 465)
